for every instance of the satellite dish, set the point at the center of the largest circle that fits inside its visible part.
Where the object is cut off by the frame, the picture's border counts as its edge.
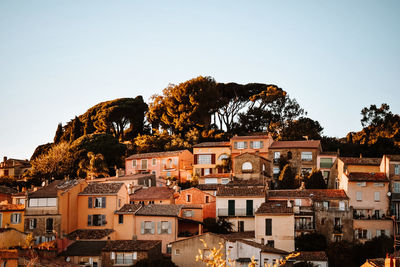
(389, 194)
(43, 183)
(67, 259)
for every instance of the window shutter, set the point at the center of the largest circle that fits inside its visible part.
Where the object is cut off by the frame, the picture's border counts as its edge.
(378, 233)
(387, 232)
(251, 144)
(103, 220)
(142, 228)
(356, 233)
(368, 234)
(196, 158)
(89, 221)
(261, 144)
(169, 227)
(153, 226)
(134, 255)
(268, 226)
(34, 223)
(103, 202)
(212, 158)
(245, 144)
(235, 145)
(202, 172)
(158, 227)
(90, 202)
(112, 255)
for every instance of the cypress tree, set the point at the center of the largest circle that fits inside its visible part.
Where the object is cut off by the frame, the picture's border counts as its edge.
(77, 130)
(59, 133)
(315, 180)
(287, 178)
(89, 127)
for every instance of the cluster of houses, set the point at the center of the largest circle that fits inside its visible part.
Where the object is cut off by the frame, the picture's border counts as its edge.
(142, 213)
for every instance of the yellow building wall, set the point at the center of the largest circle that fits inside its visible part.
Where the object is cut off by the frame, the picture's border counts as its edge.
(6, 220)
(126, 230)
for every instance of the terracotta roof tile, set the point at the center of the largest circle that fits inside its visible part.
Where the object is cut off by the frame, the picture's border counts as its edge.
(238, 235)
(315, 144)
(361, 161)
(152, 193)
(53, 188)
(102, 188)
(311, 256)
(89, 234)
(240, 191)
(315, 194)
(7, 190)
(12, 207)
(8, 254)
(168, 210)
(213, 144)
(129, 209)
(156, 154)
(249, 182)
(84, 248)
(274, 207)
(394, 157)
(368, 176)
(251, 137)
(208, 187)
(264, 248)
(131, 245)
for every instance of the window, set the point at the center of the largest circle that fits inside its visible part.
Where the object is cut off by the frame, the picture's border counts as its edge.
(42, 202)
(169, 248)
(271, 243)
(325, 163)
(207, 171)
(240, 226)
(15, 218)
(397, 169)
(32, 223)
(276, 172)
(306, 171)
(134, 163)
(240, 145)
(120, 218)
(119, 202)
(377, 214)
(325, 204)
(224, 180)
(97, 220)
(144, 164)
(168, 174)
(325, 174)
(49, 225)
(396, 187)
(337, 238)
(297, 202)
(247, 166)
(277, 156)
(377, 196)
(164, 228)
(362, 234)
(148, 227)
(338, 221)
(223, 156)
(362, 184)
(154, 162)
(342, 205)
(207, 199)
(204, 159)
(256, 144)
(211, 180)
(268, 226)
(306, 156)
(188, 213)
(177, 252)
(378, 184)
(125, 258)
(359, 196)
(188, 198)
(96, 202)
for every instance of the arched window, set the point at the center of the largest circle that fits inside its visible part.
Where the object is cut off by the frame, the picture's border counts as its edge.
(223, 156)
(247, 166)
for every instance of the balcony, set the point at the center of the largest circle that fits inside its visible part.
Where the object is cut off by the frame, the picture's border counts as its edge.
(304, 226)
(338, 229)
(237, 212)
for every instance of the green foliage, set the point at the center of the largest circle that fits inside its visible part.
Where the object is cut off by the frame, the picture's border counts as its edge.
(302, 128)
(77, 129)
(155, 263)
(340, 254)
(89, 127)
(310, 242)
(59, 133)
(40, 150)
(287, 178)
(315, 180)
(94, 166)
(218, 226)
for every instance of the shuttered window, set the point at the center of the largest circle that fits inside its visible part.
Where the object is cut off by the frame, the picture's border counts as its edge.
(268, 226)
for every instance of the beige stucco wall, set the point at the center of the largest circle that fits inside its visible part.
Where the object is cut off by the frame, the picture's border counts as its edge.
(126, 230)
(282, 230)
(218, 151)
(373, 226)
(368, 201)
(12, 238)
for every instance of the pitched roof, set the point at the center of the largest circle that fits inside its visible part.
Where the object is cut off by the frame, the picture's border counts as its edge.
(274, 207)
(8, 254)
(128, 209)
(84, 248)
(394, 157)
(247, 182)
(54, 187)
(213, 144)
(240, 191)
(238, 235)
(12, 207)
(361, 161)
(168, 210)
(251, 137)
(248, 154)
(102, 188)
(131, 245)
(123, 178)
(156, 154)
(311, 256)
(378, 262)
(368, 176)
(264, 248)
(315, 194)
(313, 144)
(151, 193)
(7, 190)
(89, 234)
(208, 187)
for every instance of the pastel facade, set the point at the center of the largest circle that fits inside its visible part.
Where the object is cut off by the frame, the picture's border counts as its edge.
(209, 156)
(12, 215)
(194, 196)
(251, 166)
(10, 237)
(170, 164)
(250, 144)
(14, 168)
(152, 195)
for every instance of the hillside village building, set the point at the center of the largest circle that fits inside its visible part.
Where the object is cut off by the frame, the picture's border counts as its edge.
(209, 158)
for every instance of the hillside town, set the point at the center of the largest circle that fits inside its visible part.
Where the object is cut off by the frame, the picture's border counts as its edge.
(251, 197)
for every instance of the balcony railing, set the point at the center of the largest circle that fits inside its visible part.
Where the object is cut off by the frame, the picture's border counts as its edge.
(304, 226)
(338, 228)
(236, 212)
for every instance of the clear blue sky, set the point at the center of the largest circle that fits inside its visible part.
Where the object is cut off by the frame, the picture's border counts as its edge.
(59, 58)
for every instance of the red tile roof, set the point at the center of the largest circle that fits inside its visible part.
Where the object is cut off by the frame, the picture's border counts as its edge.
(313, 144)
(240, 191)
(361, 161)
(102, 189)
(54, 187)
(311, 256)
(12, 207)
(131, 245)
(264, 248)
(238, 235)
(168, 210)
(152, 193)
(213, 144)
(314, 194)
(250, 137)
(89, 234)
(8, 254)
(208, 187)
(368, 177)
(276, 207)
(129, 209)
(7, 190)
(156, 154)
(394, 157)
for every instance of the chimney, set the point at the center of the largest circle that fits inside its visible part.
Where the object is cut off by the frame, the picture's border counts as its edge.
(4, 159)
